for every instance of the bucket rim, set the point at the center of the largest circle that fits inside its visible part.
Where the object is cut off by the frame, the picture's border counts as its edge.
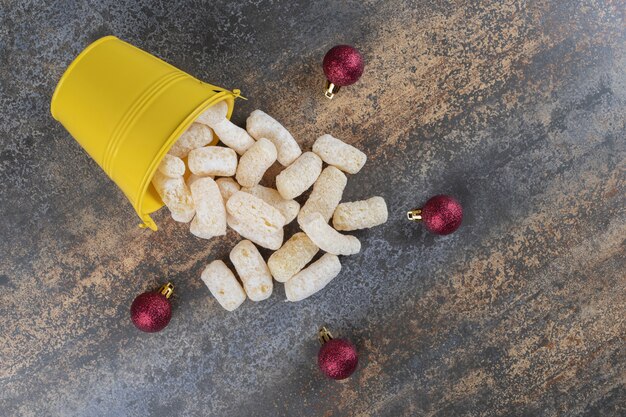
(220, 95)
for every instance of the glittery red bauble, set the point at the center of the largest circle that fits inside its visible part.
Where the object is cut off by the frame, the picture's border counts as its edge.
(442, 214)
(343, 65)
(151, 312)
(337, 358)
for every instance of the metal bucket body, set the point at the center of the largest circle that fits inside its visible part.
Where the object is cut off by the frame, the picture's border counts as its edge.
(126, 108)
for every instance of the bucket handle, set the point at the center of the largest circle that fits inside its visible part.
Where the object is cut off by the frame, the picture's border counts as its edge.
(237, 94)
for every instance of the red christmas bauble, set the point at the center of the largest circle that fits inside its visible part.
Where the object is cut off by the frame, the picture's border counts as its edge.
(343, 65)
(338, 358)
(151, 312)
(442, 214)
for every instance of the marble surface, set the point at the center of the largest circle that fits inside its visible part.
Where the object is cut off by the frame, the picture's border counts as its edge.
(516, 108)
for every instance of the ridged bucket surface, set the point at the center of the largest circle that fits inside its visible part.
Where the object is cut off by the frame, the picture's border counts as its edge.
(126, 108)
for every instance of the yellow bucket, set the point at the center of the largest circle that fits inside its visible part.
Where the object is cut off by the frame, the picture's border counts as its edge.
(126, 108)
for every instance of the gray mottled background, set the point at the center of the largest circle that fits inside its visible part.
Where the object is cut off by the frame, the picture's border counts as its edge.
(515, 107)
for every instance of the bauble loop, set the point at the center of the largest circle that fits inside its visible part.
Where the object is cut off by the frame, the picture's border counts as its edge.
(338, 358)
(442, 214)
(151, 312)
(343, 65)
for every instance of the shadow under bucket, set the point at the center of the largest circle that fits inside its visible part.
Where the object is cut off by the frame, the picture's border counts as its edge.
(126, 108)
